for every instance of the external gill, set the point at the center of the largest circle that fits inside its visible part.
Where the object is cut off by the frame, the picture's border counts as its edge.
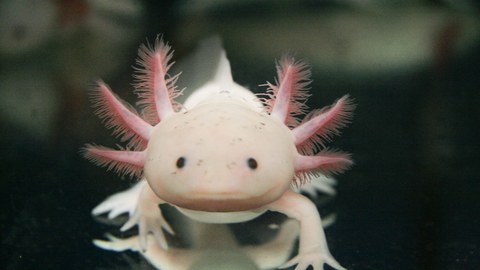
(121, 161)
(118, 115)
(154, 86)
(288, 99)
(156, 89)
(325, 163)
(320, 125)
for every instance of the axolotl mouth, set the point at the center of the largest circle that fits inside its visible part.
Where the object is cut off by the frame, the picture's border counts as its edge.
(220, 205)
(223, 201)
(222, 217)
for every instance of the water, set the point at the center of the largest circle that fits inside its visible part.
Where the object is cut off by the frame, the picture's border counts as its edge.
(410, 201)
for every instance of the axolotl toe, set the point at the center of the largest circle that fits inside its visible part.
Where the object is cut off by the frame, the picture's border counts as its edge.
(225, 155)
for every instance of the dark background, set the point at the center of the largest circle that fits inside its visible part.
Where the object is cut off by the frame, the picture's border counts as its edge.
(411, 200)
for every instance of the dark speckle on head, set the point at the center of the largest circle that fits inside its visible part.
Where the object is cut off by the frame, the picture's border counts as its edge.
(252, 163)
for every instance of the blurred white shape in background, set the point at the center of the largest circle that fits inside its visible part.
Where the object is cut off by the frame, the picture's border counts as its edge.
(338, 40)
(26, 25)
(51, 50)
(29, 99)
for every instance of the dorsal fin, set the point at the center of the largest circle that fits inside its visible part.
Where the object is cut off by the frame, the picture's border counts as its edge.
(223, 73)
(207, 64)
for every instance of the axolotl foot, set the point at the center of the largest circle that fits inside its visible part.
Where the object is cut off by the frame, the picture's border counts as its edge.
(149, 223)
(315, 257)
(142, 212)
(121, 202)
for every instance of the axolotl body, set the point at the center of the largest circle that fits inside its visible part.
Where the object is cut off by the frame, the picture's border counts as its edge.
(226, 155)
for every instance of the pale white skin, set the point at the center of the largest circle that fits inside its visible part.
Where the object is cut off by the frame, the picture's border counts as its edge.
(221, 159)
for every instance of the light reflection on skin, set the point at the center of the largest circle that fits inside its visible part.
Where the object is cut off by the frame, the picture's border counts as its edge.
(218, 252)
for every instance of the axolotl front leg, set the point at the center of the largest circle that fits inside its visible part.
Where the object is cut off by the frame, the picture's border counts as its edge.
(142, 205)
(313, 248)
(149, 218)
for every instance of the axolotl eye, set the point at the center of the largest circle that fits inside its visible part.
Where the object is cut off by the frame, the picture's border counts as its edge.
(181, 162)
(252, 163)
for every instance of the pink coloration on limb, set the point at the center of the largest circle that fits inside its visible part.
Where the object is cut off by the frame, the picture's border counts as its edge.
(119, 115)
(155, 87)
(227, 156)
(121, 161)
(289, 95)
(319, 125)
(325, 162)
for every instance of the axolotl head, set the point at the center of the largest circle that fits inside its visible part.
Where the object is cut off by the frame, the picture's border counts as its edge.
(219, 156)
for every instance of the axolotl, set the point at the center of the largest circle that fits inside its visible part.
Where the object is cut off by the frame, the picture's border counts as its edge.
(225, 155)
